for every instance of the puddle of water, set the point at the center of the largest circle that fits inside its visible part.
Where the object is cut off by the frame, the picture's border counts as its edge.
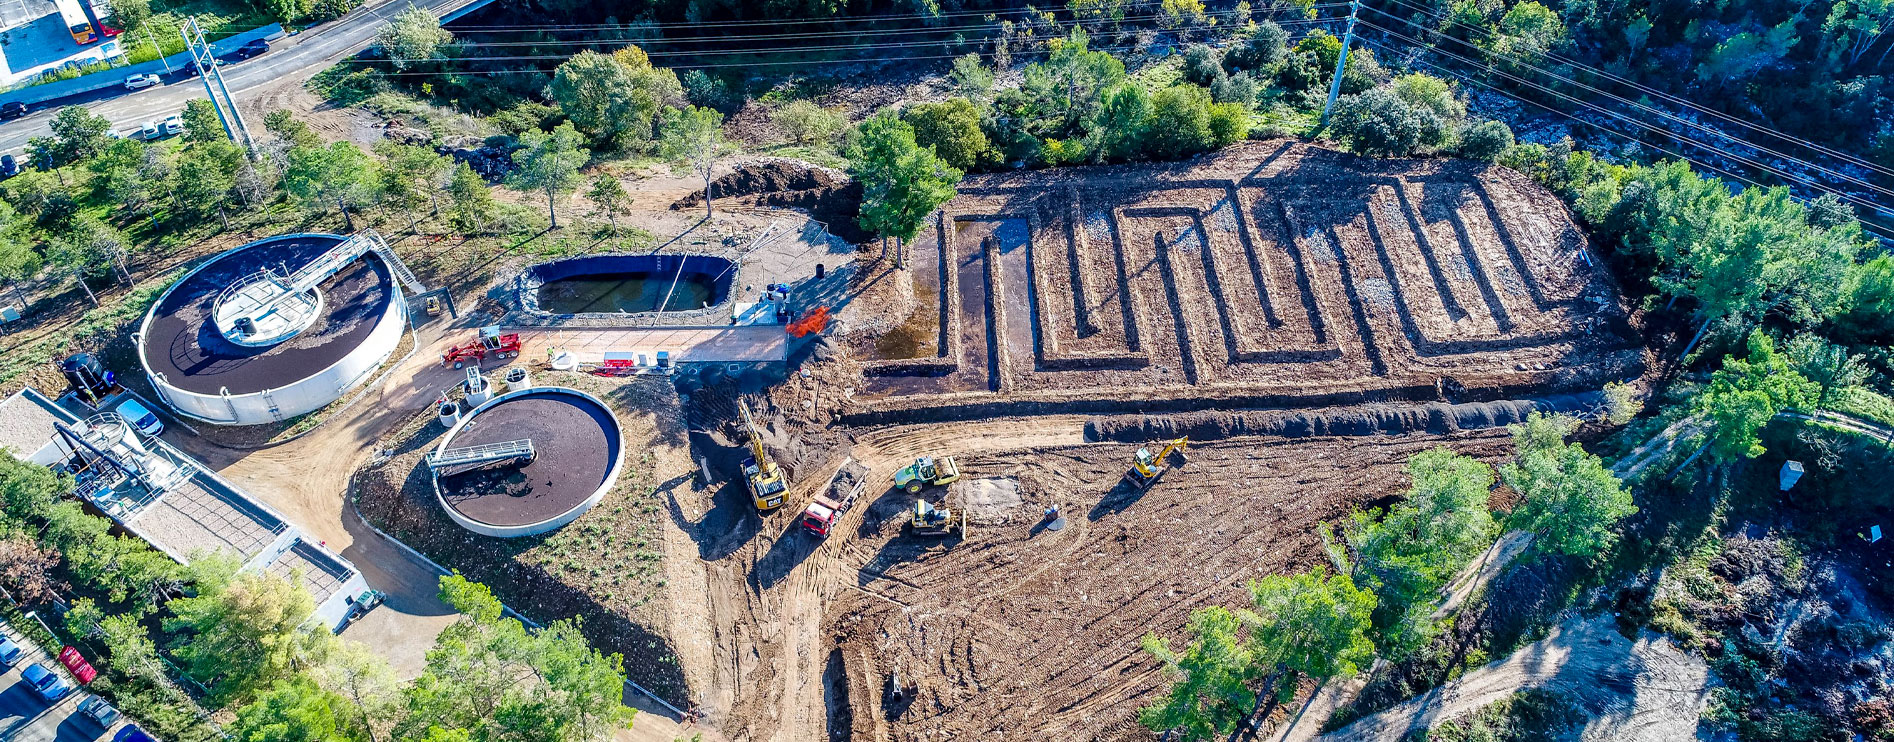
(625, 292)
(916, 336)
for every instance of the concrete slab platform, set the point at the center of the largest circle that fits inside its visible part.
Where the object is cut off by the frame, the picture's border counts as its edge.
(686, 345)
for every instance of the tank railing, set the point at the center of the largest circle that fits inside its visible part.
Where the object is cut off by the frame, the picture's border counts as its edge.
(284, 290)
(520, 449)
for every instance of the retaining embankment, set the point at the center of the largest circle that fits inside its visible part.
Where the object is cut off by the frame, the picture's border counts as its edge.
(1436, 418)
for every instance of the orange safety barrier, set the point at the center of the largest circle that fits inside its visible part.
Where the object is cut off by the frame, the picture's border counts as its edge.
(813, 322)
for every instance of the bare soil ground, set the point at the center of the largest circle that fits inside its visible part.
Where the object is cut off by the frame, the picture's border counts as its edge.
(606, 567)
(1271, 272)
(1014, 632)
(1026, 633)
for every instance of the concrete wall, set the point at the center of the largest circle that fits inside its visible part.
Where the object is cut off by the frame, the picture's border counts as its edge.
(531, 529)
(116, 76)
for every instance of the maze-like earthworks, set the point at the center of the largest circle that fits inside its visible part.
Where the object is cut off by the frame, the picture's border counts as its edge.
(1271, 274)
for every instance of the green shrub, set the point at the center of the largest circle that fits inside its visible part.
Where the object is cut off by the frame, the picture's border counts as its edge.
(1485, 141)
(1379, 123)
(952, 128)
(526, 116)
(710, 92)
(1202, 64)
(345, 85)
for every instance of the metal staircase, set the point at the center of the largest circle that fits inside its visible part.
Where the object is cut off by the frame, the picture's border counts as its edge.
(481, 454)
(387, 254)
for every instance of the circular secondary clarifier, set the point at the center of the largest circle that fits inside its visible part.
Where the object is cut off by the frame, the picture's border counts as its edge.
(575, 458)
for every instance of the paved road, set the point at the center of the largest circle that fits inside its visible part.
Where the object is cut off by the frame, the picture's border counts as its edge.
(26, 718)
(301, 55)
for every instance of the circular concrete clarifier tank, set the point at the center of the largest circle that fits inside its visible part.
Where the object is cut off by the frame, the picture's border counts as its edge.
(577, 455)
(230, 343)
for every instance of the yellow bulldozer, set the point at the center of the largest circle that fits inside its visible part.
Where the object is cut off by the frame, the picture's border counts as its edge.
(1146, 467)
(760, 473)
(928, 520)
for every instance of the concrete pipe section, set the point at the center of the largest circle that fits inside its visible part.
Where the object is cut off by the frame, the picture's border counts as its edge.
(527, 461)
(273, 329)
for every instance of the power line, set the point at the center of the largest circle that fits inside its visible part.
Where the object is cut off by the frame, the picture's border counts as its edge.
(1883, 234)
(997, 14)
(1664, 114)
(754, 50)
(541, 71)
(1757, 164)
(1838, 154)
(958, 28)
(759, 50)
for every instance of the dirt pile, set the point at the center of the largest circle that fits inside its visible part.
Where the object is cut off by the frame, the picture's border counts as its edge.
(829, 196)
(1430, 418)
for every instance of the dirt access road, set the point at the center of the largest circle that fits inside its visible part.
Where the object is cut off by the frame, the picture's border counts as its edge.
(762, 669)
(1016, 632)
(307, 480)
(1630, 691)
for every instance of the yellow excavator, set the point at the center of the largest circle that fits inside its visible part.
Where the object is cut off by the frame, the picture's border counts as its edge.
(764, 478)
(1146, 467)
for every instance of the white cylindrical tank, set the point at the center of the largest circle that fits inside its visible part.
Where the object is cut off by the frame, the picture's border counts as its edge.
(449, 413)
(479, 390)
(518, 378)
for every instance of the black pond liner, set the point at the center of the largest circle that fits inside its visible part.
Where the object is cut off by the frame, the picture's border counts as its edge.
(616, 285)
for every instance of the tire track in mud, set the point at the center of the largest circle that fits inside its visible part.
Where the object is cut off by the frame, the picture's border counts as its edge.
(770, 646)
(1068, 665)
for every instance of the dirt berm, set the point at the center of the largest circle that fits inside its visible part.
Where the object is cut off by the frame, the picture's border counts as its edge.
(1437, 418)
(829, 196)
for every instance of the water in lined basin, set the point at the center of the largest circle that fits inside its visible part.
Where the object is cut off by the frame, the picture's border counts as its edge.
(625, 292)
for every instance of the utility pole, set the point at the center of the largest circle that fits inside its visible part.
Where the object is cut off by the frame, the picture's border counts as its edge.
(1341, 63)
(225, 105)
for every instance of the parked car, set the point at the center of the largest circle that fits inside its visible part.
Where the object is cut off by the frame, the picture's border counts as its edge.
(171, 126)
(131, 733)
(148, 131)
(190, 70)
(48, 684)
(9, 167)
(10, 653)
(142, 81)
(12, 109)
(140, 417)
(254, 48)
(97, 709)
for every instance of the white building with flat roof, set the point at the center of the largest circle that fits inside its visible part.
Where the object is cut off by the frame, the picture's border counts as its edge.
(176, 504)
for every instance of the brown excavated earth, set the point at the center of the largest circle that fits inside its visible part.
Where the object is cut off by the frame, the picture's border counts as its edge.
(829, 197)
(1269, 274)
(575, 443)
(1272, 275)
(1024, 633)
(184, 345)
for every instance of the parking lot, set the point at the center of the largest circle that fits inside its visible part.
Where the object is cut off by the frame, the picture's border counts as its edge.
(26, 718)
(36, 40)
